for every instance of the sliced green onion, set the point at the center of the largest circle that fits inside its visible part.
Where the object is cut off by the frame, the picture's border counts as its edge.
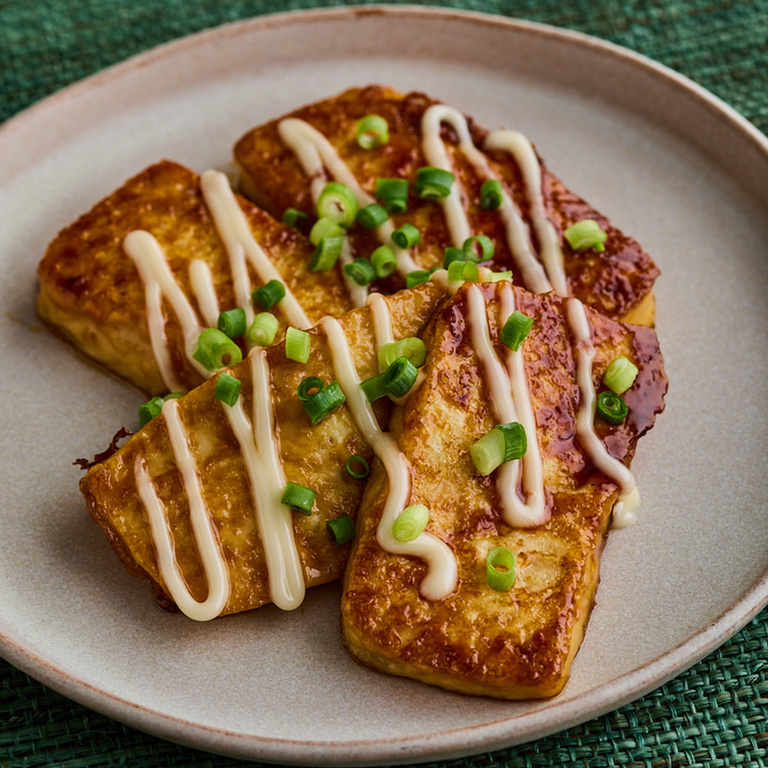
(466, 271)
(505, 442)
(452, 254)
(150, 409)
(365, 468)
(515, 330)
(611, 407)
(338, 203)
(372, 216)
(411, 347)
(215, 350)
(326, 253)
(406, 236)
(400, 376)
(386, 355)
(410, 522)
(384, 261)
(324, 228)
(372, 131)
(296, 219)
(497, 277)
(433, 183)
(491, 195)
(478, 248)
(299, 498)
(375, 387)
(500, 569)
(417, 277)
(585, 234)
(309, 387)
(324, 402)
(233, 322)
(297, 344)
(227, 389)
(393, 193)
(269, 294)
(361, 271)
(263, 329)
(342, 529)
(620, 375)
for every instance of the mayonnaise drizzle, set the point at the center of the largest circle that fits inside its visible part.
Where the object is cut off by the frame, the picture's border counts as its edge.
(202, 286)
(533, 273)
(206, 540)
(442, 569)
(235, 231)
(261, 455)
(511, 401)
(517, 145)
(316, 154)
(149, 258)
(625, 509)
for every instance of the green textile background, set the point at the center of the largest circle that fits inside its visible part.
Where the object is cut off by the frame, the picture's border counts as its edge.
(714, 715)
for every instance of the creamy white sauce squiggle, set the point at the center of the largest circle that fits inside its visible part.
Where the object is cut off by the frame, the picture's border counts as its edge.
(625, 509)
(316, 154)
(442, 570)
(511, 401)
(206, 540)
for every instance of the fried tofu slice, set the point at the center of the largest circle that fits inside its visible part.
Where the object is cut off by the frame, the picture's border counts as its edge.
(93, 294)
(520, 643)
(285, 162)
(209, 477)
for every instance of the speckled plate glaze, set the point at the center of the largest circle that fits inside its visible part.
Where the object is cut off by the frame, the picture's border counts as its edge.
(669, 163)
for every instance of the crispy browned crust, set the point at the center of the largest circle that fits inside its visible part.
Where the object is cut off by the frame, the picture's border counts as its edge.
(92, 295)
(312, 456)
(512, 645)
(616, 282)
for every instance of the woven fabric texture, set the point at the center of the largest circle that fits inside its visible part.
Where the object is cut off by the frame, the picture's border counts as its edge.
(715, 715)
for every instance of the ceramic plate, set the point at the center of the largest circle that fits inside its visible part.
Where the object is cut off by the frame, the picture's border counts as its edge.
(667, 162)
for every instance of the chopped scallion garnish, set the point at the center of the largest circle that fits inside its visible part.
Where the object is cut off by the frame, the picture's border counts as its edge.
(433, 183)
(585, 234)
(374, 388)
(491, 195)
(611, 407)
(297, 345)
(372, 216)
(233, 322)
(324, 228)
(338, 203)
(393, 193)
(478, 248)
(384, 261)
(269, 294)
(342, 529)
(505, 442)
(452, 254)
(324, 402)
(515, 330)
(215, 350)
(417, 277)
(500, 569)
(399, 377)
(372, 131)
(466, 271)
(296, 219)
(410, 522)
(357, 461)
(361, 271)
(620, 375)
(263, 329)
(150, 409)
(227, 389)
(309, 387)
(497, 277)
(299, 498)
(326, 253)
(406, 236)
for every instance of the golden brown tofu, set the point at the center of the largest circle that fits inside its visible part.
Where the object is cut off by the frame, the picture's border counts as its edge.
(203, 457)
(93, 295)
(514, 643)
(527, 230)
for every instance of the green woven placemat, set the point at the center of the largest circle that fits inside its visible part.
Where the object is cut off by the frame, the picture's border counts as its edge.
(715, 715)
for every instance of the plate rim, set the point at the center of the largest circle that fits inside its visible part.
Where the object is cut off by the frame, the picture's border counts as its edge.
(491, 735)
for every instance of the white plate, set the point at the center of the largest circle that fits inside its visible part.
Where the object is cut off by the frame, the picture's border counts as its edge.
(665, 160)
